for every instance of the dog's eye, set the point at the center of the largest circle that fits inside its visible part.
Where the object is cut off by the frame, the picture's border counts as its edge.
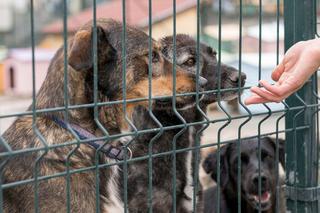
(155, 57)
(190, 62)
(244, 159)
(211, 51)
(264, 155)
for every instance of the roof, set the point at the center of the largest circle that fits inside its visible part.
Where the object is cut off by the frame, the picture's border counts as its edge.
(137, 13)
(25, 54)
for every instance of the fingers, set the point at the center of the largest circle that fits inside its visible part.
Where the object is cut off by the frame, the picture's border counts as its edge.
(270, 93)
(277, 72)
(278, 90)
(263, 93)
(255, 99)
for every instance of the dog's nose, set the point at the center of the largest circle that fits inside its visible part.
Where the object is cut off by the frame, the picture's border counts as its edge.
(255, 180)
(234, 77)
(202, 81)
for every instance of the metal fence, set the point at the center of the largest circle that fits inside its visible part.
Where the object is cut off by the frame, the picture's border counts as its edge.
(300, 113)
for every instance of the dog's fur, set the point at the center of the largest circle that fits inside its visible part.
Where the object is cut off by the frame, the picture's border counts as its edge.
(186, 58)
(249, 177)
(52, 192)
(162, 175)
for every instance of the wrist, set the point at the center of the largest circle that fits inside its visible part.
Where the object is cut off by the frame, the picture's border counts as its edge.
(315, 44)
(314, 50)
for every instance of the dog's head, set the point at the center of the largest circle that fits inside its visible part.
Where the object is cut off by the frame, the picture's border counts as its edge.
(114, 73)
(186, 58)
(249, 156)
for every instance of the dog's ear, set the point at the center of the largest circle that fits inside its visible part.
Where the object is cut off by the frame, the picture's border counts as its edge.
(165, 45)
(81, 52)
(210, 165)
(281, 144)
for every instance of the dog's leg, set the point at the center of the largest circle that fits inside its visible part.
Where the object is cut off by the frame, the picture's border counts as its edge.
(114, 203)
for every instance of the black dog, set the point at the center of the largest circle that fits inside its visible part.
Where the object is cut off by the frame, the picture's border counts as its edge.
(249, 177)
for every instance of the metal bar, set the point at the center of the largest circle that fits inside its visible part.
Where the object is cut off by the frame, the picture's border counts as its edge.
(153, 117)
(108, 103)
(265, 105)
(34, 114)
(18, 152)
(101, 166)
(302, 172)
(228, 121)
(196, 152)
(66, 101)
(278, 187)
(174, 108)
(249, 116)
(305, 194)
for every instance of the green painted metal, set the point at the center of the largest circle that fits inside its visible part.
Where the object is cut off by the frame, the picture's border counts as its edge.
(301, 145)
(300, 113)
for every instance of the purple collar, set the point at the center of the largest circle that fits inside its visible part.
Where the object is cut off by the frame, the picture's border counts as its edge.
(108, 149)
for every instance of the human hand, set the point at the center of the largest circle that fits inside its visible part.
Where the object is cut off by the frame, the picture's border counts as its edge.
(297, 66)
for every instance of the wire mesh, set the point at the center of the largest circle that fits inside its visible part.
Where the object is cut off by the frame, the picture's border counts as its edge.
(299, 113)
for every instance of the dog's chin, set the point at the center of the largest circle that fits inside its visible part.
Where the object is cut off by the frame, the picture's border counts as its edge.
(181, 105)
(225, 96)
(189, 105)
(229, 97)
(264, 202)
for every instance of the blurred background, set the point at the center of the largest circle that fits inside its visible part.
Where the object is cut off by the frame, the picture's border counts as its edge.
(16, 58)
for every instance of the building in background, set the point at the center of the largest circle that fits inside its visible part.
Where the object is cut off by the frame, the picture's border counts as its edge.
(16, 67)
(15, 25)
(49, 29)
(136, 14)
(18, 70)
(3, 55)
(11, 11)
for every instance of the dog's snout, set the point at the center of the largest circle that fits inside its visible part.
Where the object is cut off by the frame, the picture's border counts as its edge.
(243, 76)
(201, 81)
(234, 77)
(255, 180)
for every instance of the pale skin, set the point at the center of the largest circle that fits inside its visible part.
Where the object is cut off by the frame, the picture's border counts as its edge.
(297, 66)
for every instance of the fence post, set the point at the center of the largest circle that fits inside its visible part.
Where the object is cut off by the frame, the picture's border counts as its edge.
(302, 189)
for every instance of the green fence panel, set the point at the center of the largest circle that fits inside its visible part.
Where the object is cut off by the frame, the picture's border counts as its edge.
(300, 113)
(302, 152)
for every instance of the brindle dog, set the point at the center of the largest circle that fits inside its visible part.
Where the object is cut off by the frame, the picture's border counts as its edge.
(186, 58)
(162, 166)
(48, 156)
